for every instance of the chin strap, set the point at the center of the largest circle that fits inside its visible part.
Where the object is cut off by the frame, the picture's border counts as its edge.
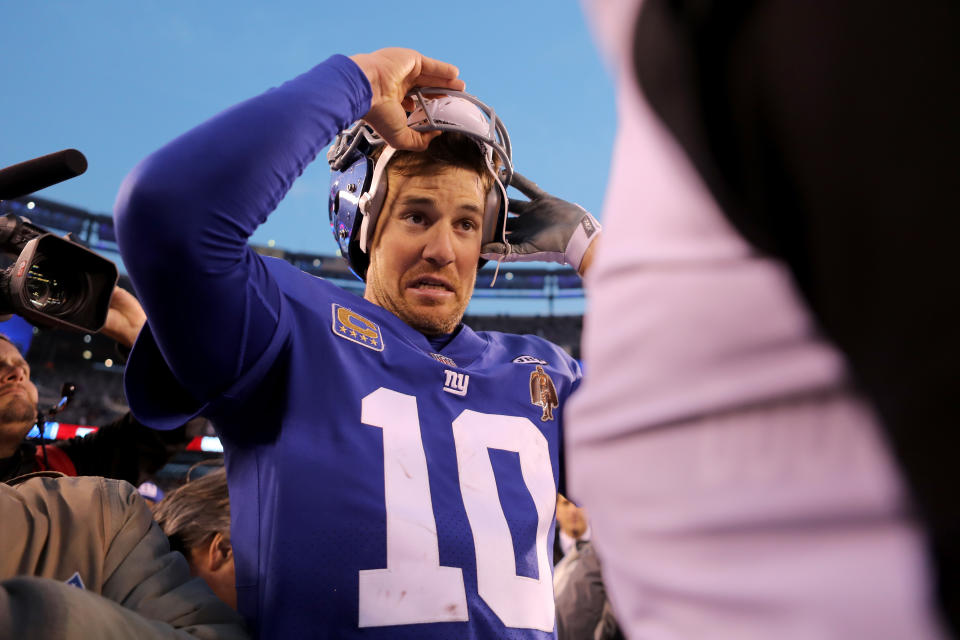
(496, 272)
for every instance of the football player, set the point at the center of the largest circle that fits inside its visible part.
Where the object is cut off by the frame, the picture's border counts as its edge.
(390, 473)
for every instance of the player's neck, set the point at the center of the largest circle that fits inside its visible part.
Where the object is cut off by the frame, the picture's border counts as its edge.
(440, 340)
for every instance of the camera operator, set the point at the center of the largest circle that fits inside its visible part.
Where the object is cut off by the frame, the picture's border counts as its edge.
(123, 449)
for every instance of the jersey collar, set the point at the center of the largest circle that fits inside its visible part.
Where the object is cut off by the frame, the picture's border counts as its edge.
(465, 347)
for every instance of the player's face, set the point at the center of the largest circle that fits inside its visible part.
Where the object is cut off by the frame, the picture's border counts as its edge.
(425, 250)
(18, 395)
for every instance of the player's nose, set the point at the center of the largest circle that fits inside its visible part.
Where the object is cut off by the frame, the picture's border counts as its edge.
(439, 246)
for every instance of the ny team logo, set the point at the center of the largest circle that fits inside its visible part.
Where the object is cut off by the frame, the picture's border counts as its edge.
(456, 383)
(543, 393)
(352, 326)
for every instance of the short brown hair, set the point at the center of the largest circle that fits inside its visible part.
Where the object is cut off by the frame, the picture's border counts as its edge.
(449, 149)
(193, 514)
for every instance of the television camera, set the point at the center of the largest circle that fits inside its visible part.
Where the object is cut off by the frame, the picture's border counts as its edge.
(53, 281)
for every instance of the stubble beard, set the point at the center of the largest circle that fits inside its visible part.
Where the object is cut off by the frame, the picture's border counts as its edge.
(425, 323)
(20, 414)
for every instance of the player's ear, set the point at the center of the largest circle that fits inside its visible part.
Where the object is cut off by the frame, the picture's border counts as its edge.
(219, 552)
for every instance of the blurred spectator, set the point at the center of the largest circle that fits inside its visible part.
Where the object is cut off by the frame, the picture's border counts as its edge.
(583, 609)
(123, 449)
(196, 519)
(84, 559)
(572, 525)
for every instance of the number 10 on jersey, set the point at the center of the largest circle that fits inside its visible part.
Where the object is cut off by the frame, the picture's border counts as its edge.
(414, 588)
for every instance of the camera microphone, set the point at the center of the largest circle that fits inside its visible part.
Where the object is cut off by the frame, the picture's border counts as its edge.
(26, 177)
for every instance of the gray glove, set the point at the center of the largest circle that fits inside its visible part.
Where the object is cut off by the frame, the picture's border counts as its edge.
(545, 229)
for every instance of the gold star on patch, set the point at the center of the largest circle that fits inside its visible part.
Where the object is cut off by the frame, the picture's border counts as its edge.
(353, 333)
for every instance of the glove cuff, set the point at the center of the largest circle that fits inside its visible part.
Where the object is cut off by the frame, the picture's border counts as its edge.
(588, 230)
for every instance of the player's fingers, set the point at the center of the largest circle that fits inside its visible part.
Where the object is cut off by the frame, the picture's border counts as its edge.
(453, 85)
(526, 186)
(412, 140)
(518, 206)
(439, 74)
(498, 252)
(521, 225)
(493, 248)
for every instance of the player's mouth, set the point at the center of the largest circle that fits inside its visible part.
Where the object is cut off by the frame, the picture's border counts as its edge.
(431, 287)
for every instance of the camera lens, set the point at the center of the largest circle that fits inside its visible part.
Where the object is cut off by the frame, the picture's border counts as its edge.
(53, 290)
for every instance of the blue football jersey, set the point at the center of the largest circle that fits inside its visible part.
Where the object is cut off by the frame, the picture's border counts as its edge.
(379, 488)
(382, 489)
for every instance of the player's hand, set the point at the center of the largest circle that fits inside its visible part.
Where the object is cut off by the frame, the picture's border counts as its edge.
(125, 318)
(392, 73)
(546, 229)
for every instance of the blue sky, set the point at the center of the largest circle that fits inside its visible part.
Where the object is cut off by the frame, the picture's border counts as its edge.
(118, 79)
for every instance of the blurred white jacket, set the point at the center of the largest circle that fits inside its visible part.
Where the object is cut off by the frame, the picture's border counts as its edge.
(737, 487)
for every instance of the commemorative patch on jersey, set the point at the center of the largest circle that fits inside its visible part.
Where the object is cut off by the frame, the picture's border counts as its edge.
(444, 359)
(543, 393)
(352, 326)
(525, 359)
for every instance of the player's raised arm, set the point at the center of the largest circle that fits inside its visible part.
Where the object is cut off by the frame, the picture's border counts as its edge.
(184, 215)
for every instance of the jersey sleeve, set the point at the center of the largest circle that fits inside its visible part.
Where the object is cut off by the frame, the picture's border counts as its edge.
(183, 217)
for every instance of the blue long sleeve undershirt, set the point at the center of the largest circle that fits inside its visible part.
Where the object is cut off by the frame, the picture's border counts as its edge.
(184, 215)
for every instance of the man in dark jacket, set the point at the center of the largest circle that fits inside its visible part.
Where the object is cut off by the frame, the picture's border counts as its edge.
(123, 449)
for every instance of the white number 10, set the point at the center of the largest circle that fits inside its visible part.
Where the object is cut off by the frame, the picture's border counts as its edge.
(414, 588)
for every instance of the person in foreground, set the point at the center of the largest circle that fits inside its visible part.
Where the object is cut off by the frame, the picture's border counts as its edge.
(753, 495)
(392, 473)
(82, 558)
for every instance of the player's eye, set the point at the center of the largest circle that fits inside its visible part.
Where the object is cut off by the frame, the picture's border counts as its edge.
(415, 217)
